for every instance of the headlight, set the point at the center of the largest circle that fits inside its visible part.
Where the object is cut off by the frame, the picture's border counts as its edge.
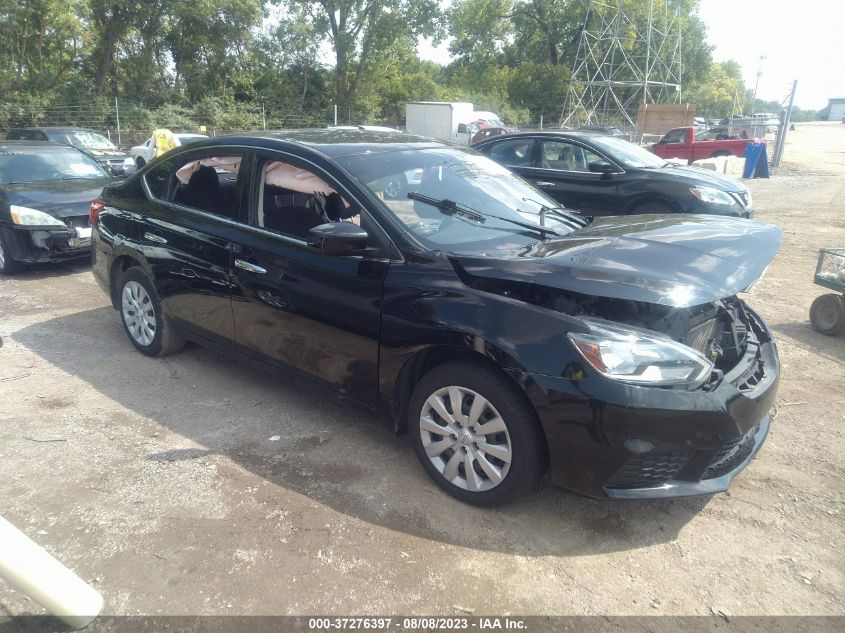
(33, 217)
(712, 196)
(639, 357)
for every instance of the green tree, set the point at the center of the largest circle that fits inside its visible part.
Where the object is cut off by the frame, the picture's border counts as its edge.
(358, 29)
(720, 92)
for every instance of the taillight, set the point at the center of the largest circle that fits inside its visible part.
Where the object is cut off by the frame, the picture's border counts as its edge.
(94, 212)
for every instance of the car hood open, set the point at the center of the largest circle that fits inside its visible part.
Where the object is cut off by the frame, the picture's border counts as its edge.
(676, 260)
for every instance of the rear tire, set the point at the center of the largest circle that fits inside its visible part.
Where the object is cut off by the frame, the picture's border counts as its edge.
(477, 467)
(827, 315)
(8, 265)
(149, 329)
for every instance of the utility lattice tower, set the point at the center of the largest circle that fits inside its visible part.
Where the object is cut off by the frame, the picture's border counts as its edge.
(624, 58)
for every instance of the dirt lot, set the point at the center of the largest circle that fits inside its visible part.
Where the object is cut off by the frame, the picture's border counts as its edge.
(161, 486)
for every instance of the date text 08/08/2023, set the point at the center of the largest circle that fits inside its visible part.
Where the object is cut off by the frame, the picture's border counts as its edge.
(417, 623)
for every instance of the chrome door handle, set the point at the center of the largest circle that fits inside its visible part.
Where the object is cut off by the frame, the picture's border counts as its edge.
(239, 263)
(544, 183)
(152, 237)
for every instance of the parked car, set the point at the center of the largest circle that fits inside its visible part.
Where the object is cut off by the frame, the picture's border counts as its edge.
(690, 144)
(604, 175)
(507, 336)
(144, 153)
(92, 143)
(45, 193)
(488, 132)
(608, 130)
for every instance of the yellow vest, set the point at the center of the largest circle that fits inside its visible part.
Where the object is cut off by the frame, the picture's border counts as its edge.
(164, 140)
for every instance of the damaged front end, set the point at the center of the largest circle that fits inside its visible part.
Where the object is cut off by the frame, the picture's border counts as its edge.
(69, 238)
(673, 380)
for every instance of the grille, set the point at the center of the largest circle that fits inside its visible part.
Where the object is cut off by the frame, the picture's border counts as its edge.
(730, 455)
(648, 471)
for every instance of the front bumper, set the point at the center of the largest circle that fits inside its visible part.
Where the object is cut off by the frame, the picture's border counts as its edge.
(32, 246)
(608, 439)
(731, 466)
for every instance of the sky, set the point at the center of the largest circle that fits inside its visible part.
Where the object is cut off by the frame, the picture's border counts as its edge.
(802, 40)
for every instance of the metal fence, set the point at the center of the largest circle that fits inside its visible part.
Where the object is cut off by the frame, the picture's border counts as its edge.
(128, 124)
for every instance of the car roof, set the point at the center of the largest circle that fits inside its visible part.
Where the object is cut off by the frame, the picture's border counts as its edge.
(331, 142)
(55, 129)
(571, 134)
(34, 144)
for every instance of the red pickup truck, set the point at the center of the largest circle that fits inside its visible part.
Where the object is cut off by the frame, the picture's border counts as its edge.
(691, 144)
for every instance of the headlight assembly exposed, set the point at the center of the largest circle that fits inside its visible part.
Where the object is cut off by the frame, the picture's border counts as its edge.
(640, 357)
(712, 196)
(25, 216)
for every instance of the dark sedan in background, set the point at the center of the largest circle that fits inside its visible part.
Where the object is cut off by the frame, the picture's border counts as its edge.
(604, 175)
(508, 337)
(45, 195)
(97, 146)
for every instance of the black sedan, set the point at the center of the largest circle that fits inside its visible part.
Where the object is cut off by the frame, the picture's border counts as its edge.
(97, 146)
(604, 175)
(508, 337)
(45, 194)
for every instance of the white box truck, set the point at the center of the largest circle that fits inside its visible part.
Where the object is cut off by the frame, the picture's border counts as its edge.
(439, 119)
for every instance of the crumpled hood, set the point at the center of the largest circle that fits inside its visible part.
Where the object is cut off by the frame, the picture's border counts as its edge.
(59, 198)
(696, 176)
(676, 260)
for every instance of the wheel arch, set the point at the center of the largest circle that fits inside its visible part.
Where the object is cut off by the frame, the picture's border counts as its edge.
(424, 360)
(119, 265)
(652, 198)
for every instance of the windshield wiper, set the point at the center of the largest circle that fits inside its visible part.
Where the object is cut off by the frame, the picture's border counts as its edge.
(450, 207)
(569, 217)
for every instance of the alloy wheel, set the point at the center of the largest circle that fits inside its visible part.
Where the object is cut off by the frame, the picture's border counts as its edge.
(465, 438)
(138, 313)
(2, 255)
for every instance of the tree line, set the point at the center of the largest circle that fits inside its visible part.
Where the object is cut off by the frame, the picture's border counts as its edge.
(220, 61)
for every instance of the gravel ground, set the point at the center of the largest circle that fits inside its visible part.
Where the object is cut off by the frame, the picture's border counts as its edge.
(157, 481)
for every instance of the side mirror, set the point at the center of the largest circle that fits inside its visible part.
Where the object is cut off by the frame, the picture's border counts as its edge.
(463, 128)
(662, 141)
(602, 167)
(337, 238)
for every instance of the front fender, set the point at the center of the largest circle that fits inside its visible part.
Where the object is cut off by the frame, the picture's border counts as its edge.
(428, 307)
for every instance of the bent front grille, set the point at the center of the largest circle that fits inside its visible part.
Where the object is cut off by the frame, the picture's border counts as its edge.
(649, 471)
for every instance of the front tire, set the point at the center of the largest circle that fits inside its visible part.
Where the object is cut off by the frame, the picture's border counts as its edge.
(8, 265)
(827, 315)
(144, 321)
(476, 434)
(140, 162)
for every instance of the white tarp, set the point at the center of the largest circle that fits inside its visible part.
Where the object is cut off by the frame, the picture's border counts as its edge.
(227, 163)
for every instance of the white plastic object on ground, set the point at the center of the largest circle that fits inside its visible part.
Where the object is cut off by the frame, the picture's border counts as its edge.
(33, 571)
